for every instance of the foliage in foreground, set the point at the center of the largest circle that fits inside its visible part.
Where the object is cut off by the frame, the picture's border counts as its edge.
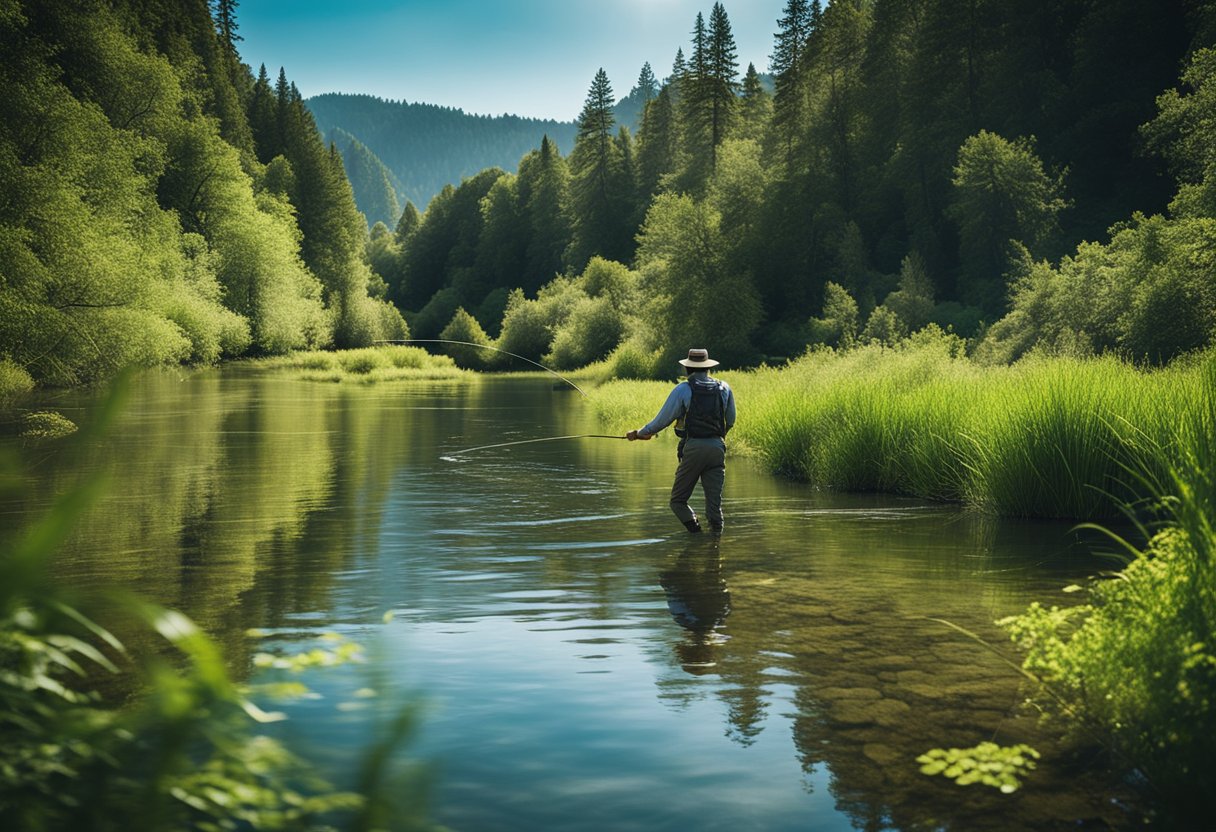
(1047, 437)
(188, 753)
(1138, 661)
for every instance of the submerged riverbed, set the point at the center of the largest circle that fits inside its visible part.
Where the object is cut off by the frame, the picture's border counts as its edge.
(580, 660)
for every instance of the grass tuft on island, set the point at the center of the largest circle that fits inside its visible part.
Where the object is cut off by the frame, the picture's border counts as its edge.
(369, 365)
(1047, 437)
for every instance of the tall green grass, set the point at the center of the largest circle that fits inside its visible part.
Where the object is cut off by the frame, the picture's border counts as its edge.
(1055, 437)
(1137, 664)
(368, 365)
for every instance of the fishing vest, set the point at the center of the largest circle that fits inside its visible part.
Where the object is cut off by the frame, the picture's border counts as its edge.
(706, 416)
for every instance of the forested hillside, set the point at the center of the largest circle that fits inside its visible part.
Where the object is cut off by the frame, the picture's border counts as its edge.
(426, 146)
(1030, 176)
(160, 205)
(377, 189)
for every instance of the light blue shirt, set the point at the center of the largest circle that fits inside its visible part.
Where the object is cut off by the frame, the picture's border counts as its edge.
(678, 402)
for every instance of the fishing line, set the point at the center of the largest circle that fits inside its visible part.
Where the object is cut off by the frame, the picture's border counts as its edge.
(486, 347)
(455, 454)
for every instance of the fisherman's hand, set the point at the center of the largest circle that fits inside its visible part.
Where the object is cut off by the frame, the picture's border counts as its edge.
(633, 434)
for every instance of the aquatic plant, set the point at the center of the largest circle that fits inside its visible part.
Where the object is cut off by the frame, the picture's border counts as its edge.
(1138, 660)
(46, 424)
(987, 763)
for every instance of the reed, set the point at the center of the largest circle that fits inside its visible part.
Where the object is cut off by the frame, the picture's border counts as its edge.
(370, 365)
(1138, 662)
(1049, 437)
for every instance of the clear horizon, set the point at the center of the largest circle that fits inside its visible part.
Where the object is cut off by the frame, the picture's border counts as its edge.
(530, 58)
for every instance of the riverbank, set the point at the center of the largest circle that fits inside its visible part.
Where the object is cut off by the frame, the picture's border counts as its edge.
(1054, 437)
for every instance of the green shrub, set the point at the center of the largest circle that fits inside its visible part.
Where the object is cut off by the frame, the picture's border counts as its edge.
(595, 327)
(464, 327)
(14, 381)
(361, 362)
(631, 360)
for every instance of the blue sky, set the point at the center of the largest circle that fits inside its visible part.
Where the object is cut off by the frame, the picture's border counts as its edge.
(527, 57)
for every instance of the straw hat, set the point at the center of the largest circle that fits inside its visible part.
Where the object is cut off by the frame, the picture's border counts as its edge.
(698, 359)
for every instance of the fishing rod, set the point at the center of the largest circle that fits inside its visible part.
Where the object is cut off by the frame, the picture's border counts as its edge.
(485, 347)
(530, 441)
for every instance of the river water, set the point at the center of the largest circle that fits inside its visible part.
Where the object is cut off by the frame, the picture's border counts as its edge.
(579, 661)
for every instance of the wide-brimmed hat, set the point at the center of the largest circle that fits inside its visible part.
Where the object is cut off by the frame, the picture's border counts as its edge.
(698, 359)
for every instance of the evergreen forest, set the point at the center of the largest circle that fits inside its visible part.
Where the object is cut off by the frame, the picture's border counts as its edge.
(1031, 178)
(425, 147)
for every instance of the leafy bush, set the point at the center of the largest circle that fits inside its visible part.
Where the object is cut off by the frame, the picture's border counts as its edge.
(464, 327)
(14, 381)
(632, 361)
(362, 361)
(595, 327)
(839, 324)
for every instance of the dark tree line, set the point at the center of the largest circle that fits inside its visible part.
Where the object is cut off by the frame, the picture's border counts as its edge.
(926, 161)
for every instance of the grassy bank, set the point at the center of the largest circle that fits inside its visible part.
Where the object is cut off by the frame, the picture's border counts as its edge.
(1047, 438)
(369, 365)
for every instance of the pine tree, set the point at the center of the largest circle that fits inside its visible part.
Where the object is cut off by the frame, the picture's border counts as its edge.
(756, 107)
(786, 65)
(263, 119)
(658, 144)
(224, 13)
(708, 95)
(596, 192)
(648, 85)
(544, 185)
(679, 69)
(721, 86)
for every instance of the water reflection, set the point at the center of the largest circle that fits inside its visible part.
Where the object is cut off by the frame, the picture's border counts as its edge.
(591, 667)
(698, 600)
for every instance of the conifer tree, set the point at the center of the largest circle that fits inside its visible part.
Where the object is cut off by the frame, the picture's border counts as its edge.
(647, 86)
(544, 185)
(597, 194)
(408, 224)
(263, 119)
(755, 107)
(658, 151)
(786, 65)
(224, 12)
(721, 86)
(679, 69)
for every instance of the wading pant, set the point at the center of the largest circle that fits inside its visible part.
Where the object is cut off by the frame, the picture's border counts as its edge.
(704, 460)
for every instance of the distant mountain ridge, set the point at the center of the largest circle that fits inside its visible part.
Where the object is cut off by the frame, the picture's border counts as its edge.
(425, 146)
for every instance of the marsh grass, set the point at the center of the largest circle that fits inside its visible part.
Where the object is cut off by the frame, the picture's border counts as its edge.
(1138, 661)
(1056, 437)
(370, 365)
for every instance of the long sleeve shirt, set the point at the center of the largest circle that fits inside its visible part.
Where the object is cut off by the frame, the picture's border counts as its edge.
(678, 402)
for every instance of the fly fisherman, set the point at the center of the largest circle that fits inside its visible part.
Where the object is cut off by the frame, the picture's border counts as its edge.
(703, 409)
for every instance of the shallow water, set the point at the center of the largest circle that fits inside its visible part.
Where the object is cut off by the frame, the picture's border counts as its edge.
(581, 661)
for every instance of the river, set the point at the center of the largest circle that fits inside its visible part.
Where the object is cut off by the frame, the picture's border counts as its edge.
(580, 662)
